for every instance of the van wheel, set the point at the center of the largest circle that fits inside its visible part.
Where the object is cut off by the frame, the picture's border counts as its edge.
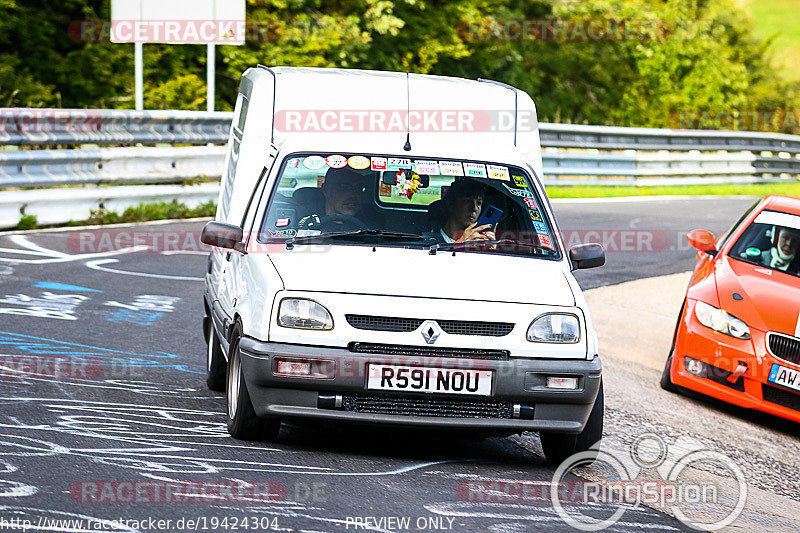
(243, 423)
(666, 380)
(559, 446)
(215, 362)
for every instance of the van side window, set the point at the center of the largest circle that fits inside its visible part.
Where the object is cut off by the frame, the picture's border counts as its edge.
(237, 133)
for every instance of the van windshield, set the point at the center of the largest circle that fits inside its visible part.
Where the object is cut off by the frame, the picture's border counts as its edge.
(395, 201)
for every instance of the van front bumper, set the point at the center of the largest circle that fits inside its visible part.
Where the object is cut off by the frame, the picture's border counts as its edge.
(520, 400)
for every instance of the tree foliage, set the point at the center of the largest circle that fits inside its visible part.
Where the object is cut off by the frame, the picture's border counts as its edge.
(704, 56)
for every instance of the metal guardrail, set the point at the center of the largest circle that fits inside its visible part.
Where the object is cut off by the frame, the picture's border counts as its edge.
(573, 154)
(51, 127)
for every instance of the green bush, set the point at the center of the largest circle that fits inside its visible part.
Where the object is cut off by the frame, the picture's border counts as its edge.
(27, 222)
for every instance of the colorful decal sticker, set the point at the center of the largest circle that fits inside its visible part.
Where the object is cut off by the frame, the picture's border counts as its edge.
(519, 181)
(545, 241)
(384, 189)
(475, 170)
(540, 228)
(498, 173)
(283, 233)
(752, 252)
(358, 162)
(281, 222)
(378, 163)
(407, 186)
(530, 203)
(426, 167)
(294, 163)
(396, 162)
(524, 193)
(308, 232)
(336, 161)
(451, 168)
(535, 215)
(314, 162)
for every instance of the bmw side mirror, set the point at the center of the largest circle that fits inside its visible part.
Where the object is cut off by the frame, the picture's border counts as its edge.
(223, 235)
(589, 255)
(703, 241)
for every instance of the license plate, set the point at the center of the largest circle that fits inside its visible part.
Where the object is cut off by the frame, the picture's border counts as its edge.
(786, 377)
(422, 379)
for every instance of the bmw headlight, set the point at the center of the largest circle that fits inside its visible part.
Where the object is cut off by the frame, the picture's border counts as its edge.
(719, 320)
(555, 328)
(303, 314)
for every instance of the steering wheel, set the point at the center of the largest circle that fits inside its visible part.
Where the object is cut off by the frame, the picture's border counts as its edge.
(338, 222)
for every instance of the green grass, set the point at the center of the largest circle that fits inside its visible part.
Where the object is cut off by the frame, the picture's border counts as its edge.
(782, 17)
(605, 191)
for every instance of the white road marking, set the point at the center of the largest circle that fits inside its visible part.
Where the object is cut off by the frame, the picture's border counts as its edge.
(96, 266)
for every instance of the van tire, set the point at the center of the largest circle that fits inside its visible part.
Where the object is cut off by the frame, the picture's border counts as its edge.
(216, 365)
(557, 447)
(243, 422)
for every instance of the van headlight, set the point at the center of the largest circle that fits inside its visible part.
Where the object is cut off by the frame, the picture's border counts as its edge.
(719, 320)
(555, 328)
(300, 313)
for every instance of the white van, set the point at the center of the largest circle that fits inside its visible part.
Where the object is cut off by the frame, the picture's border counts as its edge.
(386, 254)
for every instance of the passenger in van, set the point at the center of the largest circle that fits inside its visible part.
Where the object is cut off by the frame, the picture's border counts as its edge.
(342, 205)
(463, 204)
(783, 254)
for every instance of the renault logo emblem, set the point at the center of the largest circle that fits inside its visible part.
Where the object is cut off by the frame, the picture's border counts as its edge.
(430, 331)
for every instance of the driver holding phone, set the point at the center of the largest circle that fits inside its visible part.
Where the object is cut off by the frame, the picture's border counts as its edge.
(464, 204)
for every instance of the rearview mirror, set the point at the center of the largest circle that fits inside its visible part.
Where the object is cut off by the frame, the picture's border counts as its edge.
(589, 255)
(703, 241)
(222, 235)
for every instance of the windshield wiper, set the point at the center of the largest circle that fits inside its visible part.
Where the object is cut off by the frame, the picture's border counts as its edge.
(477, 245)
(356, 234)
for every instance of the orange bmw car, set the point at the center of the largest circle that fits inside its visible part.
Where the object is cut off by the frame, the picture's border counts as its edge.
(738, 335)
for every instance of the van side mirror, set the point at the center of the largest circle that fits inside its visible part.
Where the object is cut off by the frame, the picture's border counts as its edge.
(223, 235)
(702, 240)
(589, 255)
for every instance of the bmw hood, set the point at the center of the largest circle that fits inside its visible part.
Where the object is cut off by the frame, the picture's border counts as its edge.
(770, 300)
(414, 272)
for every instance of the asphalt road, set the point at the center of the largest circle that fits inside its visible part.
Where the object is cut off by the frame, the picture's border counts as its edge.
(117, 403)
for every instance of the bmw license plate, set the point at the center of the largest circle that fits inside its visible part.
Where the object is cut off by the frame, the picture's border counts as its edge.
(786, 377)
(437, 380)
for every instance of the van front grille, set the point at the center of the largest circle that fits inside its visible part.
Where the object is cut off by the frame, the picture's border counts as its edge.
(451, 327)
(427, 351)
(426, 406)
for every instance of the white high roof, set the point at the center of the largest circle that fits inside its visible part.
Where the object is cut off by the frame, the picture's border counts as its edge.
(318, 107)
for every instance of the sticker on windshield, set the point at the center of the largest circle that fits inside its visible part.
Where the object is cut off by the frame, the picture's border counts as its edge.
(752, 252)
(451, 168)
(283, 233)
(545, 241)
(498, 173)
(378, 163)
(535, 215)
(426, 167)
(541, 229)
(281, 222)
(308, 232)
(336, 161)
(396, 162)
(358, 162)
(314, 162)
(519, 181)
(530, 203)
(384, 189)
(524, 193)
(475, 170)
